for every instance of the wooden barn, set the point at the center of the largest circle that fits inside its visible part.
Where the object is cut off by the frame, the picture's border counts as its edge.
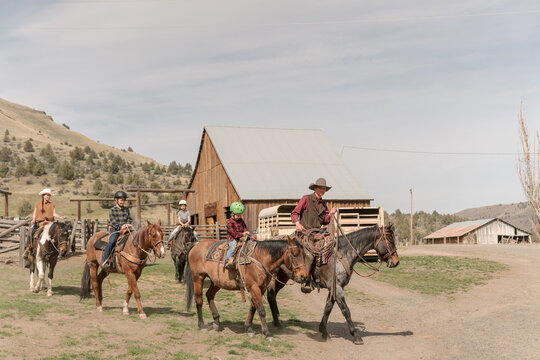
(264, 167)
(485, 231)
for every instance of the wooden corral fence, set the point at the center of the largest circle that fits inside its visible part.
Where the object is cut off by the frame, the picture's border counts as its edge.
(13, 233)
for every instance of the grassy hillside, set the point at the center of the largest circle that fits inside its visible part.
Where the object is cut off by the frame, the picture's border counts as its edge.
(519, 214)
(36, 152)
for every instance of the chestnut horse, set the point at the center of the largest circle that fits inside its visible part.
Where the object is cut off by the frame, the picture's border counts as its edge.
(51, 244)
(266, 259)
(351, 248)
(130, 261)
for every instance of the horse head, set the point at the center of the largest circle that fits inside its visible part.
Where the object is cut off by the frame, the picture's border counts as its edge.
(295, 260)
(385, 245)
(154, 237)
(59, 235)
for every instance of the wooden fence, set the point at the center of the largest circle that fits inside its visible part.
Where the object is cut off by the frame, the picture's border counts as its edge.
(13, 233)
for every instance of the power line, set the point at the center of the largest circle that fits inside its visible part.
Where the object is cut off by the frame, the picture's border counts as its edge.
(432, 152)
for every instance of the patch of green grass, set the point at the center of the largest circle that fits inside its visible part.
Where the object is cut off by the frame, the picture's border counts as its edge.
(138, 350)
(67, 356)
(4, 333)
(183, 355)
(440, 275)
(357, 296)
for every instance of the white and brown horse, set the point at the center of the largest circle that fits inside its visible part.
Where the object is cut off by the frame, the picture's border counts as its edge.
(51, 244)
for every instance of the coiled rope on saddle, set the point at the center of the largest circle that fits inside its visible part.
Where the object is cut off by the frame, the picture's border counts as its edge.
(318, 246)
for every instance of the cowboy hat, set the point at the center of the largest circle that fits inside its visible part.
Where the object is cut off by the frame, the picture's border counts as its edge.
(319, 182)
(45, 191)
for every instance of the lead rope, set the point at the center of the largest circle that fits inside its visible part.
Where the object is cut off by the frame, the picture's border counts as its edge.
(364, 262)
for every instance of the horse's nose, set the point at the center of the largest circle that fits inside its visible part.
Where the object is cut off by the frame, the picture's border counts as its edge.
(302, 278)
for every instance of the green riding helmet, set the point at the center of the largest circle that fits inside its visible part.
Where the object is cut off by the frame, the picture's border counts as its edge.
(237, 208)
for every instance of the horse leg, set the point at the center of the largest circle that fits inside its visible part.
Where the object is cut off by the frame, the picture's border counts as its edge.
(132, 283)
(176, 274)
(210, 295)
(198, 282)
(50, 276)
(327, 310)
(271, 294)
(248, 325)
(97, 284)
(340, 298)
(129, 292)
(181, 266)
(32, 272)
(41, 274)
(256, 301)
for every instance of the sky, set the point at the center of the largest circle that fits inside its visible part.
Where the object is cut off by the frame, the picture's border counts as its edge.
(419, 79)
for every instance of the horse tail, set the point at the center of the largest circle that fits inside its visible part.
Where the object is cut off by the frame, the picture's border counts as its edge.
(85, 282)
(189, 286)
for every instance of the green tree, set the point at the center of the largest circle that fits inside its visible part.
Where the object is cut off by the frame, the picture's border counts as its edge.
(4, 170)
(28, 147)
(98, 186)
(66, 171)
(6, 136)
(77, 153)
(5, 154)
(20, 170)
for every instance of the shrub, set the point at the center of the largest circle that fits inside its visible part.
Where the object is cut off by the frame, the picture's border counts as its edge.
(25, 209)
(28, 147)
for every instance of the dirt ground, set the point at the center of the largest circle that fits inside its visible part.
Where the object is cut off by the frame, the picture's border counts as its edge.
(498, 320)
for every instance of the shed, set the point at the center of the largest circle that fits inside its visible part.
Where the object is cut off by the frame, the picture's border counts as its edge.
(265, 167)
(484, 231)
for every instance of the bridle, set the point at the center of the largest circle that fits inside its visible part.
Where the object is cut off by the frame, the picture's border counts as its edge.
(384, 233)
(61, 243)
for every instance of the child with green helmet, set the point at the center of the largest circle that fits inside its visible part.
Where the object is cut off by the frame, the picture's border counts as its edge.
(236, 228)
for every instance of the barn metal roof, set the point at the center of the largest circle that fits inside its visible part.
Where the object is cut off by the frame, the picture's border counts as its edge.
(463, 228)
(273, 163)
(458, 229)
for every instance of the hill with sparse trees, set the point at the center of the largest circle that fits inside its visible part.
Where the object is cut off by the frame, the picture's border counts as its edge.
(37, 153)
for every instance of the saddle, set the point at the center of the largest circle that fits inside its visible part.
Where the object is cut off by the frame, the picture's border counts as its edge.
(219, 249)
(103, 240)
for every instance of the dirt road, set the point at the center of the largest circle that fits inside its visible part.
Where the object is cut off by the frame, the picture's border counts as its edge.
(498, 320)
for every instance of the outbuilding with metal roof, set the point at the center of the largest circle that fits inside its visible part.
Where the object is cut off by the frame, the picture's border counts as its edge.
(483, 231)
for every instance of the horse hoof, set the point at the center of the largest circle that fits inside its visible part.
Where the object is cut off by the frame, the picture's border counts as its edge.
(49, 293)
(251, 334)
(269, 338)
(100, 308)
(358, 341)
(125, 312)
(142, 316)
(35, 291)
(215, 327)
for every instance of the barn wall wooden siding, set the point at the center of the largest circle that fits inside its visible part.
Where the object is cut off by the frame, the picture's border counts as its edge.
(487, 234)
(213, 189)
(211, 185)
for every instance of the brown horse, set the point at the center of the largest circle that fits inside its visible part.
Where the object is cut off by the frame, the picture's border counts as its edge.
(130, 261)
(267, 258)
(51, 244)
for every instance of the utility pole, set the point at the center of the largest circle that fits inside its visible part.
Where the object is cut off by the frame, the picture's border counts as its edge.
(411, 219)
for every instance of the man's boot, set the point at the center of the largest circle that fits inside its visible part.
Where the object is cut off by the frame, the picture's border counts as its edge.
(25, 256)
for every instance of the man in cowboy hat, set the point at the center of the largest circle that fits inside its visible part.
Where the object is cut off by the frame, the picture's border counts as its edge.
(311, 212)
(43, 211)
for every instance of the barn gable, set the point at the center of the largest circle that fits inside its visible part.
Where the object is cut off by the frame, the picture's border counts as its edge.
(264, 167)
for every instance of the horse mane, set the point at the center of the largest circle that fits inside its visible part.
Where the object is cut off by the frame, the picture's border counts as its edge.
(275, 247)
(358, 236)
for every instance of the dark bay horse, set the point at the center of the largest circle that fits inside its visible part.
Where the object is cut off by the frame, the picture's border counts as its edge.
(351, 249)
(130, 261)
(51, 244)
(180, 244)
(268, 256)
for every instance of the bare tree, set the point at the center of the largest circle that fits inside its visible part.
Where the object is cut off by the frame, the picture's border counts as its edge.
(529, 168)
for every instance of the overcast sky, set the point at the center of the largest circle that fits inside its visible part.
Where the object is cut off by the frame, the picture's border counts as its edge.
(424, 76)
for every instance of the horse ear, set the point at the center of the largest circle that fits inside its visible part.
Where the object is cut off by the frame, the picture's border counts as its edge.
(148, 223)
(159, 223)
(290, 240)
(390, 225)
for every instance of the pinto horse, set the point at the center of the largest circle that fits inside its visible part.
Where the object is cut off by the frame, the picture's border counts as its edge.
(180, 244)
(130, 261)
(51, 244)
(268, 256)
(351, 249)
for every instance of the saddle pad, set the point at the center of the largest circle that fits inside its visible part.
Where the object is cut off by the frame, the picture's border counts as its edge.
(217, 252)
(104, 240)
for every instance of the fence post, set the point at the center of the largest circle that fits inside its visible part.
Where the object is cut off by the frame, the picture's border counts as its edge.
(22, 242)
(73, 234)
(83, 238)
